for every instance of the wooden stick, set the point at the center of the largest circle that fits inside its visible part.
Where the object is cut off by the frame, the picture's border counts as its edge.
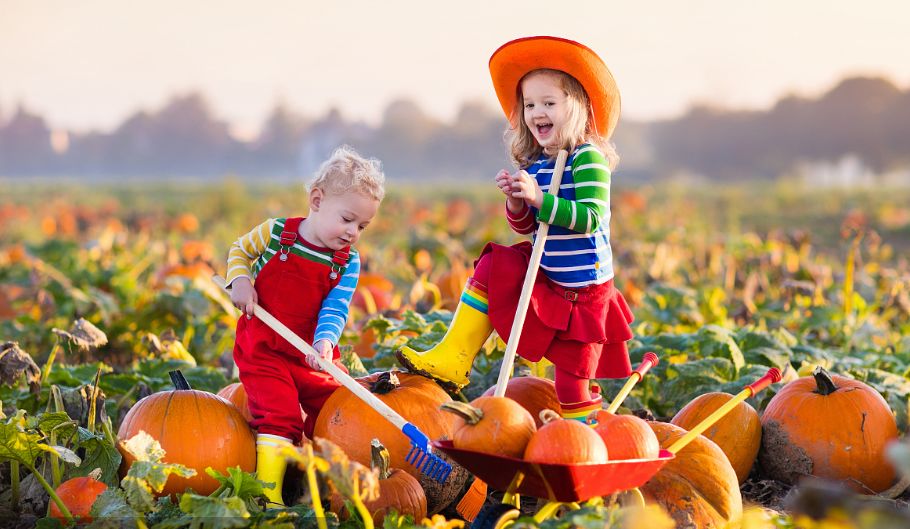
(508, 359)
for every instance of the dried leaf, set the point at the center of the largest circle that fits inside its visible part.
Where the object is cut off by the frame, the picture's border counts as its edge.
(83, 335)
(14, 362)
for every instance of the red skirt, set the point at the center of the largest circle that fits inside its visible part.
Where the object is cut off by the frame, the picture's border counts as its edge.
(583, 331)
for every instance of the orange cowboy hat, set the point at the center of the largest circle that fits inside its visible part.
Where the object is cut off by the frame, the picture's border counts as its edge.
(514, 59)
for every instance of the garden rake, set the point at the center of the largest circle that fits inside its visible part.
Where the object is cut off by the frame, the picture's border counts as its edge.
(420, 455)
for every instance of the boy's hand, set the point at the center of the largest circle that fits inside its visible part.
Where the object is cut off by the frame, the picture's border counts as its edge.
(324, 348)
(243, 295)
(524, 187)
(504, 183)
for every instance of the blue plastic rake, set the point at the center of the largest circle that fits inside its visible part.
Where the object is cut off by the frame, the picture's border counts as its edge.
(420, 455)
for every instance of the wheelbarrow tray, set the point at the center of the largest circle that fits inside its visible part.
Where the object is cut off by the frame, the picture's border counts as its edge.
(557, 482)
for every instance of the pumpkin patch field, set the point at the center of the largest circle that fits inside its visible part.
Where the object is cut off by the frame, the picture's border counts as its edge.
(121, 406)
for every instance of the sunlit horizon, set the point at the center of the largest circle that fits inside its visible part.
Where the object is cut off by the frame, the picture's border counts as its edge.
(89, 66)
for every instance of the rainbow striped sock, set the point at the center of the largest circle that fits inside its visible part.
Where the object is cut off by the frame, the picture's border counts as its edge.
(579, 411)
(475, 296)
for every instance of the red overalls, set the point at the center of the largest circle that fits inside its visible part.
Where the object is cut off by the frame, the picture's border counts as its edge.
(277, 380)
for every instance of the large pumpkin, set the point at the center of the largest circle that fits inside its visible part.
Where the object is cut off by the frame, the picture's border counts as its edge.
(495, 425)
(698, 488)
(738, 433)
(350, 423)
(828, 426)
(566, 442)
(535, 394)
(236, 394)
(196, 429)
(398, 491)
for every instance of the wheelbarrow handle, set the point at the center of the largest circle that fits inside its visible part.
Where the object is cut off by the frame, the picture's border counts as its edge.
(647, 362)
(540, 238)
(772, 376)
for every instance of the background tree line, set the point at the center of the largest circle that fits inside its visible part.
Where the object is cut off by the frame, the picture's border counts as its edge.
(865, 117)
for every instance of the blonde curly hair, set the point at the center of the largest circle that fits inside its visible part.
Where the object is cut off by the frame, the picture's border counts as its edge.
(346, 171)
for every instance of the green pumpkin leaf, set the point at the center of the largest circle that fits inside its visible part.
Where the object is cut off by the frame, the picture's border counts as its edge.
(207, 512)
(112, 504)
(99, 453)
(17, 442)
(237, 483)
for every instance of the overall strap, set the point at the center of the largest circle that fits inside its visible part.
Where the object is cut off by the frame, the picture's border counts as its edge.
(340, 260)
(289, 236)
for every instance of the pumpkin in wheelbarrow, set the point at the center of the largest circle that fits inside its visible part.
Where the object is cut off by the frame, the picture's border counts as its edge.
(699, 487)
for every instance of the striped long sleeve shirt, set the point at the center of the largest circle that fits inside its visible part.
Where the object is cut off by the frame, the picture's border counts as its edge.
(250, 253)
(577, 252)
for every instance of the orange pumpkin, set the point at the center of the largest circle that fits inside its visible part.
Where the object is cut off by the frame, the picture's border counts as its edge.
(349, 423)
(626, 436)
(828, 426)
(496, 425)
(566, 442)
(451, 283)
(398, 491)
(196, 429)
(373, 293)
(78, 494)
(236, 395)
(738, 433)
(535, 394)
(698, 488)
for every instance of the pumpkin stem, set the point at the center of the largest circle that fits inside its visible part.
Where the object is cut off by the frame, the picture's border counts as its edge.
(379, 458)
(825, 385)
(179, 380)
(470, 414)
(548, 415)
(385, 383)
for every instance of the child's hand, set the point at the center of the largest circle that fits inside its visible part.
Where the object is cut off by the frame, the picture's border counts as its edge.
(524, 187)
(504, 183)
(243, 295)
(324, 348)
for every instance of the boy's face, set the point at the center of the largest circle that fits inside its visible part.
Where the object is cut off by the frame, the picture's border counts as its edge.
(338, 220)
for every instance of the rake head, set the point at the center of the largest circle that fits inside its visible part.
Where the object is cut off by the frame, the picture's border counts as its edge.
(423, 458)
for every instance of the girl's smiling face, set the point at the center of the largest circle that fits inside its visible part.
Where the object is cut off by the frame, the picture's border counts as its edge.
(546, 107)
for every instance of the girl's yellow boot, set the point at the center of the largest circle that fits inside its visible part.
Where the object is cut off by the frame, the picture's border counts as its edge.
(449, 362)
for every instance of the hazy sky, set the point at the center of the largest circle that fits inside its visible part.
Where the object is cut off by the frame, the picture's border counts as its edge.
(90, 63)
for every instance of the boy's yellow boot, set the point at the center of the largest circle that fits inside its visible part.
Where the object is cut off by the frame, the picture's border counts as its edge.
(449, 361)
(271, 464)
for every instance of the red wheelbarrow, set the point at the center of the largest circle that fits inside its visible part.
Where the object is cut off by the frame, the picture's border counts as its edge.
(567, 485)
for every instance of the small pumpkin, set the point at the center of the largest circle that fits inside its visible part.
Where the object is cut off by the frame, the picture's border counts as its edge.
(495, 425)
(78, 494)
(698, 487)
(828, 426)
(236, 394)
(738, 433)
(565, 442)
(398, 491)
(196, 429)
(626, 436)
(535, 394)
(346, 421)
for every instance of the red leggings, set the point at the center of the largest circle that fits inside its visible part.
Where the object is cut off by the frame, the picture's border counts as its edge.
(570, 388)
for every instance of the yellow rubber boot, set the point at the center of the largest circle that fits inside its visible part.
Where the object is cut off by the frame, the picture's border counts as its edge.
(271, 464)
(449, 361)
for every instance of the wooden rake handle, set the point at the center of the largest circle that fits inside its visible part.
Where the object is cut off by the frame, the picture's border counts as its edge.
(508, 359)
